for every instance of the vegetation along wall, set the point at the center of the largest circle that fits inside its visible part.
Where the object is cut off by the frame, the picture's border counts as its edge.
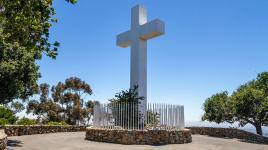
(17, 130)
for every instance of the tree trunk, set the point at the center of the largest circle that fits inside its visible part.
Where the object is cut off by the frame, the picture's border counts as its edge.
(258, 128)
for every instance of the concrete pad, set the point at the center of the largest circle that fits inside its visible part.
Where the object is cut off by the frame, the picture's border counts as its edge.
(75, 140)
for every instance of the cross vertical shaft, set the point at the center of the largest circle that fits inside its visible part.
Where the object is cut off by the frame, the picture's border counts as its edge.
(136, 38)
(138, 72)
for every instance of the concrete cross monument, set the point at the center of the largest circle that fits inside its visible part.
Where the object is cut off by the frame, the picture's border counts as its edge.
(136, 38)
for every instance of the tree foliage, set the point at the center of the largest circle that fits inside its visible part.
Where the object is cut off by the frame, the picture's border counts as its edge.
(130, 95)
(71, 96)
(129, 101)
(24, 37)
(247, 104)
(43, 106)
(216, 108)
(65, 103)
(7, 116)
(3, 121)
(17, 106)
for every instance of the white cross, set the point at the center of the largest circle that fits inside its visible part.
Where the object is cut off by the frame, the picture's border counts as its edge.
(137, 37)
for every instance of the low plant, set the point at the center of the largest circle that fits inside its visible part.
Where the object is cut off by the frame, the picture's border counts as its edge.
(126, 98)
(53, 123)
(27, 121)
(7, 115)
(3, 121)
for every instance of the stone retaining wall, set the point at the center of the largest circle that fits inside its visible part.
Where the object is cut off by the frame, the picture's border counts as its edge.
(230, 133)
(150, 137)
(3, 140)
(17, 130)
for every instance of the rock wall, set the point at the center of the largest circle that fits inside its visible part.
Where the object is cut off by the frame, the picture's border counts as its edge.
(151, 137)
(17, 130)
(230, 133)
(3, 140)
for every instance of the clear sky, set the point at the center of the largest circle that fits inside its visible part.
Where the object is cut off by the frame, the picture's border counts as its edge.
(209, 46)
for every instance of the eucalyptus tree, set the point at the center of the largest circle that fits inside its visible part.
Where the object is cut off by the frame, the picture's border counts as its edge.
(45, 107)
(65, 103)
(71, 95)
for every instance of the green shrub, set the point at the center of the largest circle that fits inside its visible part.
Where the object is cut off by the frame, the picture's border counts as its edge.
(3, 121)
(7, 115)
(52, 123)
(27, 121)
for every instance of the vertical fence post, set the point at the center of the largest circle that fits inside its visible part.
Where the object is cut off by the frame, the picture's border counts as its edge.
(182, 113)
(101, 110)
(112, 116)
(153, 115)
(173, 116)
(124, 115)
(160, 116)
(171, 120)
(177, 117)
(169, 117)
(105, 116)
(163, 116)
(120, 117)
(138, 117)
(128, 118)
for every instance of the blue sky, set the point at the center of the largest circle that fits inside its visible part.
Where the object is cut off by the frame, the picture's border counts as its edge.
(209, 46)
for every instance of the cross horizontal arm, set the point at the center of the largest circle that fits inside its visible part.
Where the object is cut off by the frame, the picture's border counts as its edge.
(152, 29)
(123, 39)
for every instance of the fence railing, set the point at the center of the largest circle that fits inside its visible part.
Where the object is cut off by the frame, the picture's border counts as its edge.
(127, 115)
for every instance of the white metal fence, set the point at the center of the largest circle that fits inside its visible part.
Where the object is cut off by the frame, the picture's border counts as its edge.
(126, 115)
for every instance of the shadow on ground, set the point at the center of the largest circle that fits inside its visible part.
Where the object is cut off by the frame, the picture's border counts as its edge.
(241, 140)
(14, 143)
(253, 142)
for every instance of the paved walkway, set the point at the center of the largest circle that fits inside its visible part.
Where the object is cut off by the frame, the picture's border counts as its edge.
(75, 141)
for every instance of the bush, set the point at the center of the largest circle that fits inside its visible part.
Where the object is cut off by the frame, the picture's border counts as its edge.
(52, 123)
(127, 97)
(3, 121)
(7, 115)
(27, 121)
